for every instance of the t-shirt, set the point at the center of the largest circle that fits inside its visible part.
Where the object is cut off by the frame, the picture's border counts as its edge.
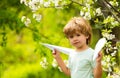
(81, 64)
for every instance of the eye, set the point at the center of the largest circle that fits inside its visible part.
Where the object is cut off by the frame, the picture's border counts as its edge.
(77, 34)
(71, 36)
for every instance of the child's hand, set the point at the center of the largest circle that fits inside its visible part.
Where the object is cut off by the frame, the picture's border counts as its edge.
(99, 58)
(56, 54)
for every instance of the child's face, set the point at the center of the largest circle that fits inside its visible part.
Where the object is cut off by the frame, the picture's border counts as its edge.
(78, 40)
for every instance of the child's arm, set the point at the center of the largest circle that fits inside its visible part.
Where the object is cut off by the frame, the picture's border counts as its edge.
(60, 62)
(98, 68)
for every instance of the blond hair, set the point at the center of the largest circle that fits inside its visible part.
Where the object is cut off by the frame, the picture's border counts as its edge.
(78, 24)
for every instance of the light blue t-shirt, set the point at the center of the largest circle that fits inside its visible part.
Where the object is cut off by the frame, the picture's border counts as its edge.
(81, 64)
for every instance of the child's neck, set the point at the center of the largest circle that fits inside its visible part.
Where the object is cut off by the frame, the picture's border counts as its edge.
(80, 49)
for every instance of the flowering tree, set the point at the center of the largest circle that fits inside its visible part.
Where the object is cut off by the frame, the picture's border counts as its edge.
(102, 14)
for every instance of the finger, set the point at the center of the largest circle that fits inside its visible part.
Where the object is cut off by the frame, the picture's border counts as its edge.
(100, 54)
(54, 52)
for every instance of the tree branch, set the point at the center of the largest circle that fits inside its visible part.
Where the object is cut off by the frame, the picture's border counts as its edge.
(37, 32)
(59, 5)
(77, 3)
(112, 7)
(66, 4)
(111, 11)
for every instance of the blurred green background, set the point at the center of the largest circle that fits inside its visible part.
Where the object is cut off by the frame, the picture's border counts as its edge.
(21, 55)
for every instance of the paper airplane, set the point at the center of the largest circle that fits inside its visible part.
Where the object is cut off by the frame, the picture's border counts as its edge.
(100, 44)
(59, 48)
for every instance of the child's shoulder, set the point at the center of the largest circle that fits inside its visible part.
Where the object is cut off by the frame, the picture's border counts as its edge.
(90, 51)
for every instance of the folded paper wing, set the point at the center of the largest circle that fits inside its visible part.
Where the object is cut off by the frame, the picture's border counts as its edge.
(59, 48)
(100, 44)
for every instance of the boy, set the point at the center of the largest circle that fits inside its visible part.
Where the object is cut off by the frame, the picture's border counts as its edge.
(81, 65)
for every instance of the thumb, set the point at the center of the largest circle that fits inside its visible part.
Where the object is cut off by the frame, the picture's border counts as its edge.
(54, 51)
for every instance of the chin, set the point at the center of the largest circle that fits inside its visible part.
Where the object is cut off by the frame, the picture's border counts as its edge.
(78, 46)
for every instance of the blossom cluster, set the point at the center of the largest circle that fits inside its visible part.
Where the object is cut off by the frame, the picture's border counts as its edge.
(44, 63)
(110, 51)
(113, 76)
(38, 17)
(26, 20)
(54, 64)
(88, 12)
(35, 5)
(109, 36)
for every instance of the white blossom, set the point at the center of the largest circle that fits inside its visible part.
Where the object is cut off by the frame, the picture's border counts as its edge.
(109, 36)
(44, 63)
(104, 63)
(114, 53)
(81, 13)
(114, 47)
(24, 1)
(87, 5)
(107, 50)
(84, 8)
(23, 18)
(37, 17)
(114, 76)
(109, 69)
(108, 59)
(56, 2)
(111, 2)
(109, 75)
(41, 1)
(109, 45)
(27, 22)
(87, 16)
(114, 3)
(54, 63)
(34, 5)
(115, 23)
(98, 11)
(60, 69)
(66, 62)
(114, 63)
(46, 4)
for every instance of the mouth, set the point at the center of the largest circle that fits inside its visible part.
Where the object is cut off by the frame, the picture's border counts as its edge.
(75, 42)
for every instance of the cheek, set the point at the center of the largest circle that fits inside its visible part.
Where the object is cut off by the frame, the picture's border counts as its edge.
(83, 39)
(71, 41)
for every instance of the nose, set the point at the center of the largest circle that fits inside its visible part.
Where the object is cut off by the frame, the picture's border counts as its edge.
(74, 38)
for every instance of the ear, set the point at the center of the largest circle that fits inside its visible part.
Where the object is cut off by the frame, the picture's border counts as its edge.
(87, 36)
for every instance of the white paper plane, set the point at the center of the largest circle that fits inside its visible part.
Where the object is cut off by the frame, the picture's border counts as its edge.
(59, 48)
(100, 44)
